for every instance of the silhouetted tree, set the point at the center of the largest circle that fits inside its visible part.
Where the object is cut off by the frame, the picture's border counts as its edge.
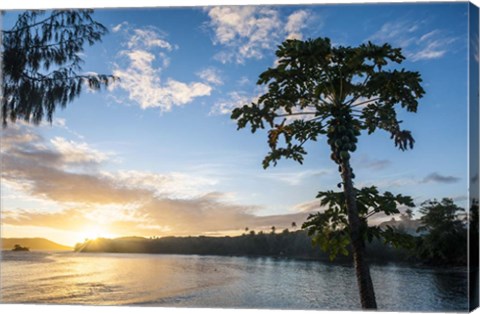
(294, 225)
(318, 89)
(473, 231)
(41, 63)
(445, 239)
(273, 229)
(473, 256)
(18, 247)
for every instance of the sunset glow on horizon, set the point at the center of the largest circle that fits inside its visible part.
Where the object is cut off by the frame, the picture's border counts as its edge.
(157, 154)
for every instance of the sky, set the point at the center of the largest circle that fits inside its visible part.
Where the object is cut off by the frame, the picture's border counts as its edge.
(157, 153)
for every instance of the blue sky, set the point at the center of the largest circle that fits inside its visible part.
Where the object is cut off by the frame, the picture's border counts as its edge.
(157, 153)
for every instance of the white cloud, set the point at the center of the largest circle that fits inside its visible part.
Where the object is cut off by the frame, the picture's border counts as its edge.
(243, 81)
(428, 35)
(308, 206)
(234, 100)
(44, 173)
(475, 44)
(77, 153)
(435, 177)
(295, 178)
(20, 141)
(148, 38)
(249, 31)
(179, 93)
(417, 42)
(172, 185)
(296, 22)
(118, 27)
(18, 134)
(432, 47)
(429, 52)
(242, 22)
(140, 59)
(59, 122)
(396, 30)
(431, 178)
(211, 75)
(43, 169)
(124, 202)
(365, 162)
(140, 76)
(389, 183)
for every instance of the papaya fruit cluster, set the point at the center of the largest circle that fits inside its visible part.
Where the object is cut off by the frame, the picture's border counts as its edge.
(342, 137)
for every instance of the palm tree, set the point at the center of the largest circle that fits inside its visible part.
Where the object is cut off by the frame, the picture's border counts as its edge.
(318, 89)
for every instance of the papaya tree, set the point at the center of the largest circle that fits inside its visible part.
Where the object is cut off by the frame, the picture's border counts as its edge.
(316, 89)
(41, 58)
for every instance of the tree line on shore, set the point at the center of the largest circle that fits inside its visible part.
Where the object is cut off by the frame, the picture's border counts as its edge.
(288, 244)
(438, 238)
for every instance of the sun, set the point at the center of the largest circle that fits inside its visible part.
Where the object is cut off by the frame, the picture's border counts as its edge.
(95, 232)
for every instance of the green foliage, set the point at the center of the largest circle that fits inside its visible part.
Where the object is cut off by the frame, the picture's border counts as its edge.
(473, 215)
(41, 60)
(445, 239)
(317, 89)
(330, 229)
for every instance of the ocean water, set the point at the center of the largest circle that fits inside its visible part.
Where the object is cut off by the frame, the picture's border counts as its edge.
(226, 282)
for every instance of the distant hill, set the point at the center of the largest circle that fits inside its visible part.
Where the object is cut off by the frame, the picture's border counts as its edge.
(408, 226)
(33, 244)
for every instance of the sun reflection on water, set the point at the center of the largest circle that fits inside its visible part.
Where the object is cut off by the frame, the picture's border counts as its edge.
(208, 281)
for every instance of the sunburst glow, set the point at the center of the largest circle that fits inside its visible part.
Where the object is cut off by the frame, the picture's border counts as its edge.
(94, 232)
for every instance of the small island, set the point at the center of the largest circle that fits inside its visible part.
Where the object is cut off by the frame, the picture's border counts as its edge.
(19, 248)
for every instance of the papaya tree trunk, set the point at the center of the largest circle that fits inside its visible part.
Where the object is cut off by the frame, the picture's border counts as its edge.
(364, 281)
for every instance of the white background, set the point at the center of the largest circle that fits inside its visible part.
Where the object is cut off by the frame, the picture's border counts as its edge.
(45, 4)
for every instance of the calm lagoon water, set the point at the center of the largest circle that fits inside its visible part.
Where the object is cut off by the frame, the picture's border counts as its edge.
(213, 281)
